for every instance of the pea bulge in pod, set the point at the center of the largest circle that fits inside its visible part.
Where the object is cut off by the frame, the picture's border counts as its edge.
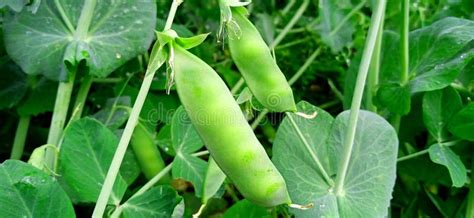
(226, 133)
(254, 60)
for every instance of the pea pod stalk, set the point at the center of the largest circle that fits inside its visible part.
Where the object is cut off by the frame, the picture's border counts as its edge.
(225, 131)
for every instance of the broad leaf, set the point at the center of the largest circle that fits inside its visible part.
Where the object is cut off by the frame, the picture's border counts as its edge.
(213, 180)
(438, 53)
(114, 114)
(185, 138)
(13, 83)
(245, 208)
(40, 43)
(438, 109)
(156, 202)
(395, 98)
(40, 98)
(443, 155)
(336, 26)
(16, 5)
(462, 124)
(191, 169)
(85, 157)
(369, 181)
(29, 192)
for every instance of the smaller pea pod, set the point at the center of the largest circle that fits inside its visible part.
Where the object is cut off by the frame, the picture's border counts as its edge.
(226, 133)
(254, 60)
(148, 156)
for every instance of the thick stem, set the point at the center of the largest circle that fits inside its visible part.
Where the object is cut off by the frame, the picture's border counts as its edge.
(357, 98)
(61, 107)
(85, 19)
(81, 97)
(374, 71)
(128, 131)
(20, 138)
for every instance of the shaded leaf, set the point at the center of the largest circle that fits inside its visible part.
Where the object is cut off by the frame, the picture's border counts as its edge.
(184, 136)
(213, 180)
(438, 108)
(462, 124)
(156, 202)
(245, 208)
(13, 83)
(394, 97)
(85, 157)
(191, 169)
(29, 192)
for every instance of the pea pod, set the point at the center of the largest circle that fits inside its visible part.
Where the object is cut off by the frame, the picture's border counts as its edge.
(254, 60)
(148, 155)
(225, 131)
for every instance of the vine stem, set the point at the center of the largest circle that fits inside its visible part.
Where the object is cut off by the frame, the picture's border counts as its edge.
(405, 54)
(129, 128)
(357, 98)
(61, 106)
(63, 15)
(85, 19)
(425, 151)
(311, 152)
(374, 70)
(20, 138)
(81, 97)
(290, 24)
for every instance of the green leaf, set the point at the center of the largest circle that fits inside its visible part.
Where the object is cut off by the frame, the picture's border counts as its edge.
(370, 177)
(114, 114)
(265, 26)
(438, 108)
(213, 180)
(462, 124)
(244, 96)
(395, 98)
(245, 208)
(335, 27)
(191, 42)
(438, 53)
(85, 157)
(191, 169)
(185, 138)
(156, 202)
(445, 156)
(29, 192)
(164, 141)
(13, 83)
(15, 5)
(40, 43)
(40, 99)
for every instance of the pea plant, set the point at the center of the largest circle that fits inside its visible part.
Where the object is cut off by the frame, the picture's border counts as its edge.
(232, 108)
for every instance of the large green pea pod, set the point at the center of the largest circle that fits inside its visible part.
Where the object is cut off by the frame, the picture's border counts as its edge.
(225, 131)
(254, 60)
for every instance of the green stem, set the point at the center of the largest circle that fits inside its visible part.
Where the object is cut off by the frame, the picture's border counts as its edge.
(374, 71)
(107, 80)
(425, 151)
(63, 15)
(129, 127)
(61, 107)
(290, 24)
(293, 43)
(85, 20)
(405, 54)
(357, 98)
(292, 80)
(315, 158)
(20, 138)
(81, 97)
(470, 197)
(347, 17)
(164, 172)
(237, 86)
